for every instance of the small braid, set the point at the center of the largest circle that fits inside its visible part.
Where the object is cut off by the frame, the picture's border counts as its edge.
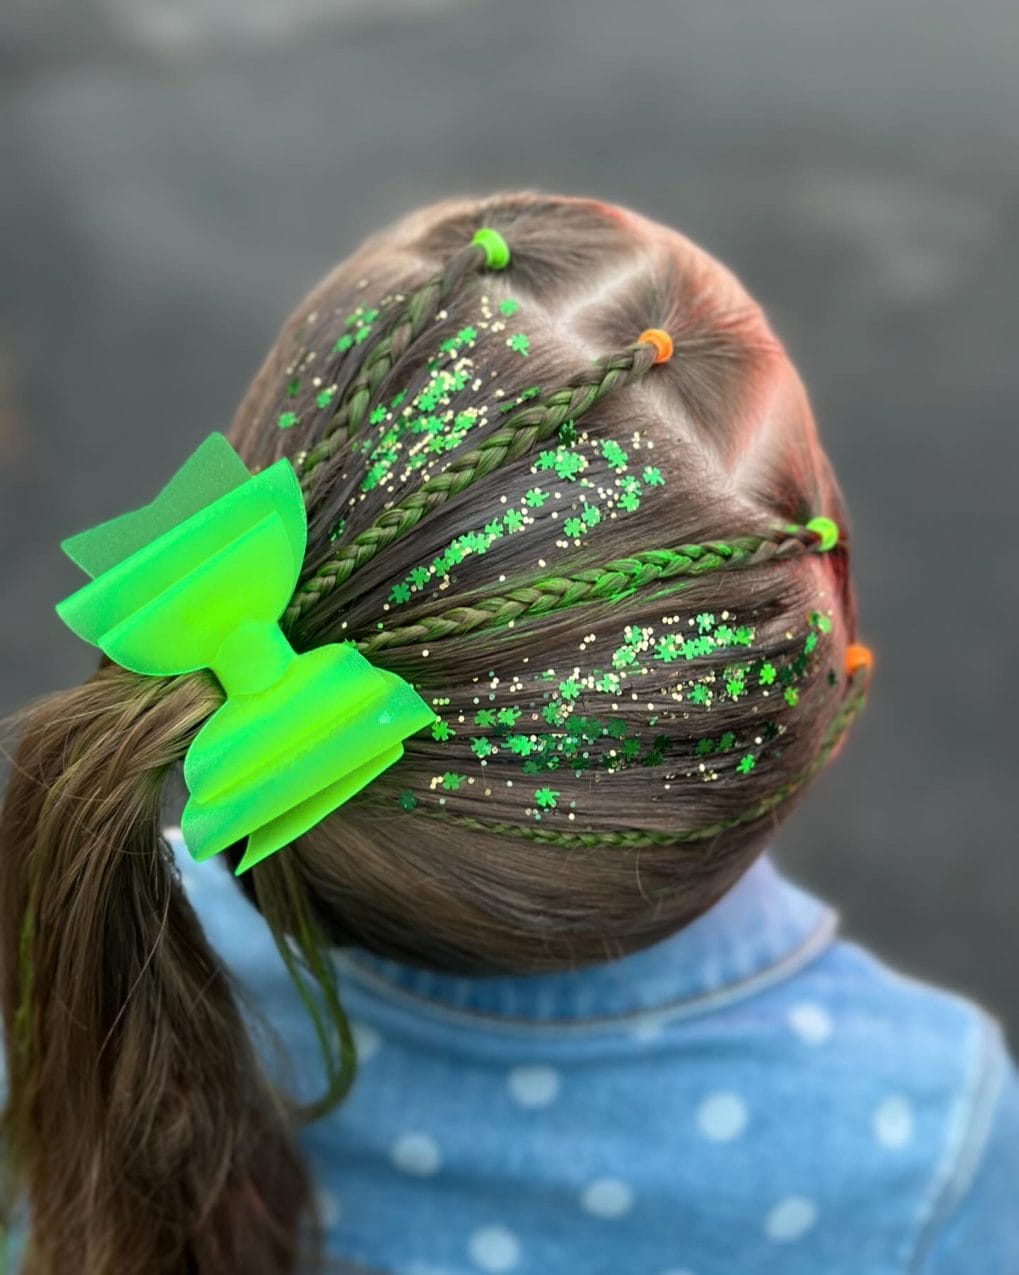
(636, 839)
(533, 422)
(613, 580)
(403, 326)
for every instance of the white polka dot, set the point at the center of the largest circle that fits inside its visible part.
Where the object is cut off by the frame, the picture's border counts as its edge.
(416, 1153)
(811, 1022)
(329, 1206)
(722, 1116)
(893, 1121)
(534, 1086)
(366, 1039)
(494, 1248)
(607, 1197)
(790, 1218)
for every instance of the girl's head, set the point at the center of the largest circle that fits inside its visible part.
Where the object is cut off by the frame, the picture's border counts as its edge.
(614, 574)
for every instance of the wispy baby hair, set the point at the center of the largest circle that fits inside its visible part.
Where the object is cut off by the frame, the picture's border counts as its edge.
(559, 474)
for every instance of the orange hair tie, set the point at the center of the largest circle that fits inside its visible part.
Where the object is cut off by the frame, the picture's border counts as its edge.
(661, 340)
(858, 657)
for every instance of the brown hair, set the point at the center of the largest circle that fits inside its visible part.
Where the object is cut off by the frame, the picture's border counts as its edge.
(140, 1126)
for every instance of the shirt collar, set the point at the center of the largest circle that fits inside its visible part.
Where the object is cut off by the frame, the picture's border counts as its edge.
(760, 931)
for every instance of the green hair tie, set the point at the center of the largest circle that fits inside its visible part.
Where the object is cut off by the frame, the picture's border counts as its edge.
(827, 530)
(198, 579)
(497, 253)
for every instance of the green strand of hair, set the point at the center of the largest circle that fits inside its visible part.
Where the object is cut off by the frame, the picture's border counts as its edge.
(613, 581)
(532, 422)
(403, 326)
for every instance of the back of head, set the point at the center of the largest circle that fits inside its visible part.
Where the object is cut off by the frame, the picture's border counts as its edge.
(592, 559)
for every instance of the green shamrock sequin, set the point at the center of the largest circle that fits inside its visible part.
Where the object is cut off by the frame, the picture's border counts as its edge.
(519, 343)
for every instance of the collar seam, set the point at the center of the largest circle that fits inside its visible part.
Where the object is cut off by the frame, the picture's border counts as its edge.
(814, 942)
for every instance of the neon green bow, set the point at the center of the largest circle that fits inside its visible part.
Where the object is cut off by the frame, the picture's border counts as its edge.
(199, 578)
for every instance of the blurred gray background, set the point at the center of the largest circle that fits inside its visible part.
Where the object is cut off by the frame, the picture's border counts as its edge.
(174, 174)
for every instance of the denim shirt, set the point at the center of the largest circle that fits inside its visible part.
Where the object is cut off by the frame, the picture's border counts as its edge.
(753, 1094)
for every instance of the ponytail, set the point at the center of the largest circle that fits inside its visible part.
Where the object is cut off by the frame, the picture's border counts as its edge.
(139, 1125)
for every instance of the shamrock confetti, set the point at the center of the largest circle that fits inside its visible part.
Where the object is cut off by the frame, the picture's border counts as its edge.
(646, 693)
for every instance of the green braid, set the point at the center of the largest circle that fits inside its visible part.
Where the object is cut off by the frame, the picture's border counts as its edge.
(403, 326)
(303, 949)
(635, 839)
(613, 581)
(533, 422)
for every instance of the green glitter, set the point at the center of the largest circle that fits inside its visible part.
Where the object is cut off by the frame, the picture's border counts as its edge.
(669, 648)
(407, 799)
(399, 593)
(566, 463)
(613, 453)
(287, 419)
(519, 343)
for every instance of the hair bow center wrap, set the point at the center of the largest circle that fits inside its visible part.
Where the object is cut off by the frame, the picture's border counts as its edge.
(199, 578)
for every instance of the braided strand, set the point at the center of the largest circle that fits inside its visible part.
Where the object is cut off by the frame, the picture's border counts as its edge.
(404, 326)
(533, 422)
(612, 581)
(637, 839)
